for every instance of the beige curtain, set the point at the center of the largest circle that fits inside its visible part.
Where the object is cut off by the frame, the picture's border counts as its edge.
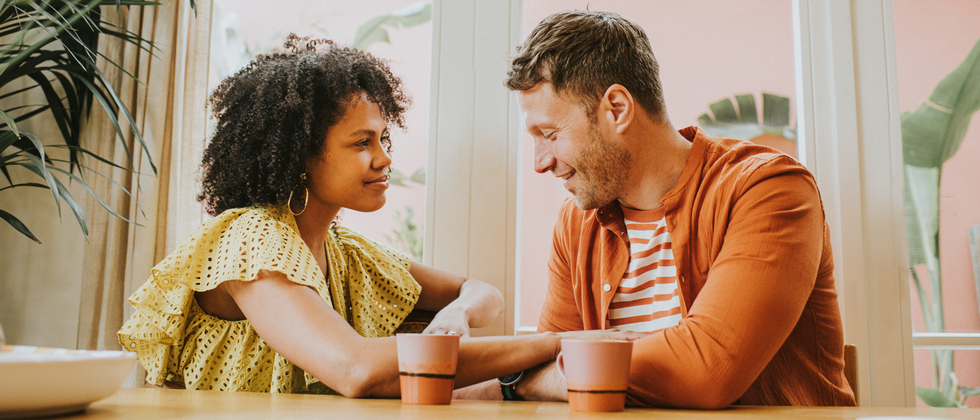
(168, 109)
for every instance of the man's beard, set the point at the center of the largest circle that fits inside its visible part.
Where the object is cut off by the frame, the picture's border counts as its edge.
(604, 167)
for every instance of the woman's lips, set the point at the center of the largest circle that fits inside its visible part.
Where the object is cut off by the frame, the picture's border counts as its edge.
(380, 182)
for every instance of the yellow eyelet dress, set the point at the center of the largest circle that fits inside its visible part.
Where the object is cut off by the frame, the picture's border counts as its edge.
(176, 341)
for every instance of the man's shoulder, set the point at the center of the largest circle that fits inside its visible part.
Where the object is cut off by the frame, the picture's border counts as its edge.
(735, 153)
(744, 161)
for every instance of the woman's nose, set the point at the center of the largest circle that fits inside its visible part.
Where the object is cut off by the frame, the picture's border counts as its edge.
(382, 157)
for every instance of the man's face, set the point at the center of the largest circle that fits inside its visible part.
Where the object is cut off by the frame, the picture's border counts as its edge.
(572, 147)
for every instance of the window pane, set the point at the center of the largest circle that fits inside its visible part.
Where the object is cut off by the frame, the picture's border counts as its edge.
(709, 51)
(941, 196)
(245, 28)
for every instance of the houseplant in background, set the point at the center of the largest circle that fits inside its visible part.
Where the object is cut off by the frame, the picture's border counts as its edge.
(50, 49)
(739, 119)
(931, 135)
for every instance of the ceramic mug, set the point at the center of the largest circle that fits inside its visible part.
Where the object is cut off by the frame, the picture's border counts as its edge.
(427, 367)
(596, 373)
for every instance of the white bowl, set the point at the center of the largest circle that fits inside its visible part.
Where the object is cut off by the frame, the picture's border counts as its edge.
(44, 381)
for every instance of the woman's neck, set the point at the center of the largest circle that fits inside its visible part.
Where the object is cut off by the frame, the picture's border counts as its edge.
(314, 226)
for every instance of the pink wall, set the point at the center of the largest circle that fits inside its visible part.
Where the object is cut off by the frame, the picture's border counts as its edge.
(932, 38)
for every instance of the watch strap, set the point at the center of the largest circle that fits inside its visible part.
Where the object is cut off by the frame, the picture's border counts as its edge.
(508, 386)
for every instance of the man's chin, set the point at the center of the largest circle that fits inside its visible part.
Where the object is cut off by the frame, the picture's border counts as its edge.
(586, 202)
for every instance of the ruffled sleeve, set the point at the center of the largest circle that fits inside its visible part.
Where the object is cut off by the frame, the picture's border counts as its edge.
(234, 245)
(370, 283)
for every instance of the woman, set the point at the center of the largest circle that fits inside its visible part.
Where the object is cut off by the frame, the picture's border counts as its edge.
(270, 295)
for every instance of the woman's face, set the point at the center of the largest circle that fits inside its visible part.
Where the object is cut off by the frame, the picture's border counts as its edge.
(352, 171)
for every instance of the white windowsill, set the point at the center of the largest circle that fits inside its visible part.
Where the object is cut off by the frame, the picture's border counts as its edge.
(958, 341)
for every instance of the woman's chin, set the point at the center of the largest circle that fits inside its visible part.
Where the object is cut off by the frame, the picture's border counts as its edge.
(369, 208)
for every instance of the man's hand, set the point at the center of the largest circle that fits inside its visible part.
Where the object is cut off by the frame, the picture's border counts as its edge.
(597, 335)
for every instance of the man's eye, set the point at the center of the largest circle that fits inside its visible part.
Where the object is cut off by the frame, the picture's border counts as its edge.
(550, 136)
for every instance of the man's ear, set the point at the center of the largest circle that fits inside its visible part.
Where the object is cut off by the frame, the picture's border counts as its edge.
(618, 107)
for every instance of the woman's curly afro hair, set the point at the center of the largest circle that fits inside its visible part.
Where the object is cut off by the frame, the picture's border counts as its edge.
(273, 115)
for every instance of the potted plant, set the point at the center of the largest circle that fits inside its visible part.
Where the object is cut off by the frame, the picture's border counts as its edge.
(51, 47)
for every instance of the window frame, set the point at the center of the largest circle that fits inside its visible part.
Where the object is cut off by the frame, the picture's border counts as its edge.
(843, 49)
(474, 151)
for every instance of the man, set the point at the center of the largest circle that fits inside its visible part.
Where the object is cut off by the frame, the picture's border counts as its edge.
(718, 247)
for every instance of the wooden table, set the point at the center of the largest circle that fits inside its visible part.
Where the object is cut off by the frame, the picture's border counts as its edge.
(149, 404)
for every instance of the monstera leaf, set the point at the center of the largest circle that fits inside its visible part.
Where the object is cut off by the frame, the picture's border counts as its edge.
(740, 120)
(375, 29)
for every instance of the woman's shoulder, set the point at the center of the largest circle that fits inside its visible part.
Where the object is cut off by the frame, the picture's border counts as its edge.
(350, 238)
(235, 245)
(257, 225)
(252, 219)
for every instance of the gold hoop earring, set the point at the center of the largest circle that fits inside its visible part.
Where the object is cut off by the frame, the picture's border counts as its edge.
(306, 196)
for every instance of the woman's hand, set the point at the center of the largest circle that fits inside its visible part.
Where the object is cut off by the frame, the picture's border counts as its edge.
(461, 303)
(450, 320)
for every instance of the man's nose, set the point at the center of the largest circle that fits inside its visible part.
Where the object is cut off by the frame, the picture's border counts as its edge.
(543, 159)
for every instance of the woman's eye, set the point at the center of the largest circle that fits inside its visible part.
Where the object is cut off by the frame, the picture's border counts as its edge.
(363, 143)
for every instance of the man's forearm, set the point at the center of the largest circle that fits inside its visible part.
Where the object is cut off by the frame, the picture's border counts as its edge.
(542, 383)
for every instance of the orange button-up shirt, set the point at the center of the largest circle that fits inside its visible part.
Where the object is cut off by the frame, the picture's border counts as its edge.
(755, 269)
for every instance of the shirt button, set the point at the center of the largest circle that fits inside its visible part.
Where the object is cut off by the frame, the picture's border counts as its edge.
(606, 287)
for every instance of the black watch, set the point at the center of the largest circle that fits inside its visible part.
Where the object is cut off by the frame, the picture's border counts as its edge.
(507, 384)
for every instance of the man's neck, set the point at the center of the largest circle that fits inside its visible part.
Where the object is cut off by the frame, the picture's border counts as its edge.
(660, 155)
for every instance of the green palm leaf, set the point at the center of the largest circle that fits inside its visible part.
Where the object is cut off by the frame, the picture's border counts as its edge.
(18, 225)
(935, 130)
(52, 47)
(934, 398)
(931, 135)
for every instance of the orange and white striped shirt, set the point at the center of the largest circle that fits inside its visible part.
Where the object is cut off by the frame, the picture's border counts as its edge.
(647, 299)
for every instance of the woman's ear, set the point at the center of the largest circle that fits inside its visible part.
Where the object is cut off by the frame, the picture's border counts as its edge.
(618, 106)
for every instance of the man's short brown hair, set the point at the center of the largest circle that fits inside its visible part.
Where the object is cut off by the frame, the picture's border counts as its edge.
(583, 53)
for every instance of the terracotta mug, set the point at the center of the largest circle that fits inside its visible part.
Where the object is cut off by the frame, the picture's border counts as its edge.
(427, 367)
(596, 373)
